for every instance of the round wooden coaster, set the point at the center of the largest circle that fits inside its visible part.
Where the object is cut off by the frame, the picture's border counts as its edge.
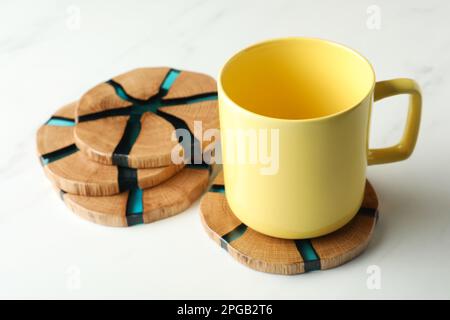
(74, 173)
(282, 256)
(138, 206)
(135, 115)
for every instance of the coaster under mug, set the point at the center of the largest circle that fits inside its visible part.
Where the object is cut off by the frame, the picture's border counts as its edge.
(284, 256)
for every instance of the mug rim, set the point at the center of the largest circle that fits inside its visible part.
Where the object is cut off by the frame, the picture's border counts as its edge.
(295, 38)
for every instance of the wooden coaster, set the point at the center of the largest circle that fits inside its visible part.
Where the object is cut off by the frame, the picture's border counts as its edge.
(282, 256)
(74, 173)
(139, 206)
(135, 115)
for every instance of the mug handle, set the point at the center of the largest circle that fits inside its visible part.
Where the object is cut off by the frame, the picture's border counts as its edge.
(405, 147)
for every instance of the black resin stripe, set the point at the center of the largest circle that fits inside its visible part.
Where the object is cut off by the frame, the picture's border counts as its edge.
(135, 219)
(367, 211)
(207, 96)
(135, 207)
(202, 165)
(123, 148)
(310, 257)
(124, 111)
(58, 154)
(127, 178)
(234, 234)
(60, 118)
(218, 188)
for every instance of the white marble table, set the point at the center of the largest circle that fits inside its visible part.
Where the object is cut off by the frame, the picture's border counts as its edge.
(49, 57)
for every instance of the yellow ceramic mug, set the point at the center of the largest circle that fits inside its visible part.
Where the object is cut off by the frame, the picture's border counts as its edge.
(316, 96)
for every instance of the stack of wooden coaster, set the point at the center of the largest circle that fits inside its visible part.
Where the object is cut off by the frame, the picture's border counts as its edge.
(111, 153)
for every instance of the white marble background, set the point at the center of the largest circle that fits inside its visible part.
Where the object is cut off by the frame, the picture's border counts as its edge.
(46, 60)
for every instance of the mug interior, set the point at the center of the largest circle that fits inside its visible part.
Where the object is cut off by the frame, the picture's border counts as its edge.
(297, 78)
